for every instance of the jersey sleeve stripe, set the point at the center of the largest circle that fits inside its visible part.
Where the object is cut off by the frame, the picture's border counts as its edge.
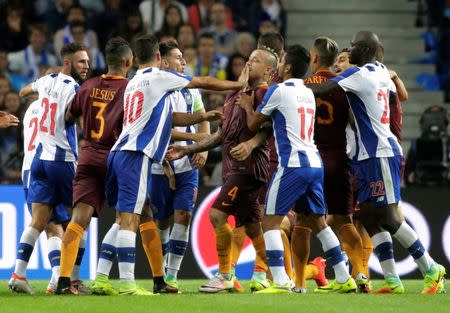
(187, 77)
(349, 72)
(266, 98)
(284, 146)
(365, 128)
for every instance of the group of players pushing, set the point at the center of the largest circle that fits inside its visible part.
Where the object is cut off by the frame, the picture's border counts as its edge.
(134, 121)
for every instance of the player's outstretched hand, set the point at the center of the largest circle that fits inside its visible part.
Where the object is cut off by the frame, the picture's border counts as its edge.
(213, 115)
(7, 120)
(199, 159)
(241, 151)
(175, 152)
(243, 78)
(245, 101)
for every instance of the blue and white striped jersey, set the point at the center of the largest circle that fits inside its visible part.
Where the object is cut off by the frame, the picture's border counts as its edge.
(58, 139)
(293, 108)
(147, 121)
(368, 89)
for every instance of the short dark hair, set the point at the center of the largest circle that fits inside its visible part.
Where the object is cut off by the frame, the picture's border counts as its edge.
(77, 7)
(116, 50)
(39, 28)
(346, 50)
(298, 57)
(327, 49)
(71, 48)
(206, 35)
(146, 47)
(272, 40)
(165, 47)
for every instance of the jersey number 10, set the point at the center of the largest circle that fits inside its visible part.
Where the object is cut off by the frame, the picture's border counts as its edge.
(133, 112)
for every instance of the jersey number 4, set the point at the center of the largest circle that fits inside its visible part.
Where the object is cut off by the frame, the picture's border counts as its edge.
(133, 108)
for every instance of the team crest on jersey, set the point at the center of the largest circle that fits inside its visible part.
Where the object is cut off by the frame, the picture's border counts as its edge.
(188, 98)
(204, 242)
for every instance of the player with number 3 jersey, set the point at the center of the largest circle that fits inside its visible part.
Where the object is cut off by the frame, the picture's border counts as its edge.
(100, 102)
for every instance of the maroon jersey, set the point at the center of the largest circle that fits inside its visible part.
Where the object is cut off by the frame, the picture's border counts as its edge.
(100, 102)
(234, 131)
(331, 116)
(395, 118)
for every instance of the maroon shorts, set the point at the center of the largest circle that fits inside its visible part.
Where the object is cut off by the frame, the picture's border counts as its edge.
(239, 197)
(265, 188)
(89, 186)
(337, 185)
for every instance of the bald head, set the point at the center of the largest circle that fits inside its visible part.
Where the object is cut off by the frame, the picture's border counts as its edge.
(262, 64)
(364, 48)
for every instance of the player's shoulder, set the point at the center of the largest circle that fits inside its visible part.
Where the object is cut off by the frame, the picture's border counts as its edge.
(173, 74)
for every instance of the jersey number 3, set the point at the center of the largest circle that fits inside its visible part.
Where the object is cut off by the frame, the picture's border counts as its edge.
(99, 116)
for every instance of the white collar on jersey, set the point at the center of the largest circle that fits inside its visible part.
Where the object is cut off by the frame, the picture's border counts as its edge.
(146, 70)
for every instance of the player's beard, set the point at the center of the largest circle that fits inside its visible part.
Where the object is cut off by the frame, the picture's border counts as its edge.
(76, 76)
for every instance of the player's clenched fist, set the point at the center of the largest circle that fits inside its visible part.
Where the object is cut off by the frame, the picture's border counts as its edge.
(7, 120)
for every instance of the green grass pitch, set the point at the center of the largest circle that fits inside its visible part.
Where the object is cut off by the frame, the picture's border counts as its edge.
(190, 301)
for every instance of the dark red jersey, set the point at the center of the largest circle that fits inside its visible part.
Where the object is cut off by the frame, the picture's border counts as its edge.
(100, 102)
(395, 118)
(234, 131)
(331, 116)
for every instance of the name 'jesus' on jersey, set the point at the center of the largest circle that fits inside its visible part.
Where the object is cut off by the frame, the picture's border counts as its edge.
(368, 90)
(292, 107)
(147, 120)
(58, 139)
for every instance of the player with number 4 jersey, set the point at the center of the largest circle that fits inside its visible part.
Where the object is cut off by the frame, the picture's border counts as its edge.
(299, 178)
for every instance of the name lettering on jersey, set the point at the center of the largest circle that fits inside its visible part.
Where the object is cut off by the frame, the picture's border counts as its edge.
(304, 99)
(51, 93)
(384, 84)
(102, 94)
(140, 84)
(316, 80)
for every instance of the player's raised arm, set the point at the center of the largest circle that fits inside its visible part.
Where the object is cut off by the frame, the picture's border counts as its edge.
(212, 83)
(325, 88)
(211, 141)
(185, 119)
(26, 91)
(401, 89)
(182, 136)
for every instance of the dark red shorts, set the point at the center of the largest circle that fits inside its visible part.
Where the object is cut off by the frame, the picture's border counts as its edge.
(89, 186)
(265, 188)
(337, 185)
(239, 197)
